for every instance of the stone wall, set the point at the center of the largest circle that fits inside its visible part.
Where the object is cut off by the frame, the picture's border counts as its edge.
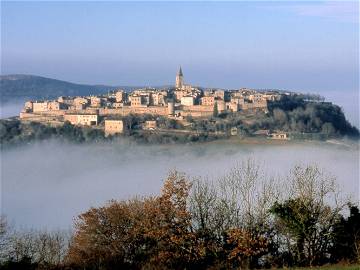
(156, 110)
(198, 111)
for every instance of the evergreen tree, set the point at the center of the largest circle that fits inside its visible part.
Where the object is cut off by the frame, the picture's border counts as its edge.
(215, 111)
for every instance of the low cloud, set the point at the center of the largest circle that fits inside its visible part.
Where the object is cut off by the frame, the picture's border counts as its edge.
(47, 184)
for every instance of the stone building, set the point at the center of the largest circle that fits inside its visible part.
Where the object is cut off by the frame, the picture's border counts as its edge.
(120, 96)
(28, 106)
(40, 106)
(256, 97)
(82, 119)
(232, 106)
(150, 125)
(80, 103)
(117, 105)
(157, 99)
(113, 127)
(135, 100)
(219, 94)
(187, 101)
(178, 94)
(233, 131)
(171, 108)
(208, 101)
(54, 106)
(279, 136)
(221, 106)
(95, 101)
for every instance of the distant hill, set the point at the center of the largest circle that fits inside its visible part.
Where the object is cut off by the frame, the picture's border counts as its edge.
(23, 87)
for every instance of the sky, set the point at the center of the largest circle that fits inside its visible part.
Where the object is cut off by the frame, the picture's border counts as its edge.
(307, 46)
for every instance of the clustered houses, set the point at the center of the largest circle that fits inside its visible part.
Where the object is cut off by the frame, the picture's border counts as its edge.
(177, 102)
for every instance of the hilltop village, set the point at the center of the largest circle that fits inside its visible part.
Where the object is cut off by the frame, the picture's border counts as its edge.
(178, 103)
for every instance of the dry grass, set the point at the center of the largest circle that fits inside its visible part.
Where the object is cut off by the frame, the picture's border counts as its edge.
(330, 267)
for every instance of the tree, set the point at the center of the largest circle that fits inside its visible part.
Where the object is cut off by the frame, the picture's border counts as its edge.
(328, 129)
(231, 216)
(244, 245)
(215, 110)
(132, 234)
(305, 217)
(3, 237)
(110, 236)
(346, 241)
(33, 249)
(280, 117)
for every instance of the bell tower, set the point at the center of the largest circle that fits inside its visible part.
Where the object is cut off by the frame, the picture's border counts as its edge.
(179, 82)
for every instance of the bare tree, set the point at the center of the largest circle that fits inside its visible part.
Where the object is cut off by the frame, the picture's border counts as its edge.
(4, 235)
(248, 192)
(203, 205)
(41, 247)
(235, 211)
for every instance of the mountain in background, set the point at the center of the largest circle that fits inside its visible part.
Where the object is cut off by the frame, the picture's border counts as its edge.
(23, 87)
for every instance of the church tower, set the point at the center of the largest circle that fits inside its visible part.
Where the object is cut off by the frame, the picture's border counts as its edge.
(179, 82)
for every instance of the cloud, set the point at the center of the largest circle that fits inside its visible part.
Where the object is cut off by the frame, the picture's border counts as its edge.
(345, 11)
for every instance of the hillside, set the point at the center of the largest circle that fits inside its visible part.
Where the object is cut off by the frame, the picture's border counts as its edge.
(22, 87)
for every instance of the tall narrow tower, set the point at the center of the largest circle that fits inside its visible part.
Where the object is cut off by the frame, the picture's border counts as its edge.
(179, 82)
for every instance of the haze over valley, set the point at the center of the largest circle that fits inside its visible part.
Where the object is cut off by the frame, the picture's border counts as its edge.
(63, 180)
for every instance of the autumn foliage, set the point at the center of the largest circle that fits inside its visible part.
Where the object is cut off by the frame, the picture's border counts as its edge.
(245, 220)
(155, 233)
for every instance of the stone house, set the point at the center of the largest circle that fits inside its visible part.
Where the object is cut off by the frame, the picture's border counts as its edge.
(113, 127)
(150, 125)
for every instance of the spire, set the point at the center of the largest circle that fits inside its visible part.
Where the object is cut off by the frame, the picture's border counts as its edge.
(179, 79)
(180, 72)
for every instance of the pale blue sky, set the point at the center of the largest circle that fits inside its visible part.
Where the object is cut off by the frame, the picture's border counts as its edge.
(310, 46)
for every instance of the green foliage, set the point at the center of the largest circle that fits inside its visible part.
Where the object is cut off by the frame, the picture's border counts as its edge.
(295, 215)
(346, 238)
(216, 111)
(13, 132)
(295, 115)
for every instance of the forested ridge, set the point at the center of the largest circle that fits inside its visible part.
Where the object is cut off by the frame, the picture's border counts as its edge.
(297, 115)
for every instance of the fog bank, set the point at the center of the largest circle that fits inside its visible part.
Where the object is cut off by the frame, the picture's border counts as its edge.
(48, 184)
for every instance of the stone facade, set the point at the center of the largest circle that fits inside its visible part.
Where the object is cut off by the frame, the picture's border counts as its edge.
(82, 119)
(187, 101)
(113, 127)
(135, 101)
(208, 101)
(120, 96)
(40, 106)
(95, 102)
(150, 124)
(279, 136)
